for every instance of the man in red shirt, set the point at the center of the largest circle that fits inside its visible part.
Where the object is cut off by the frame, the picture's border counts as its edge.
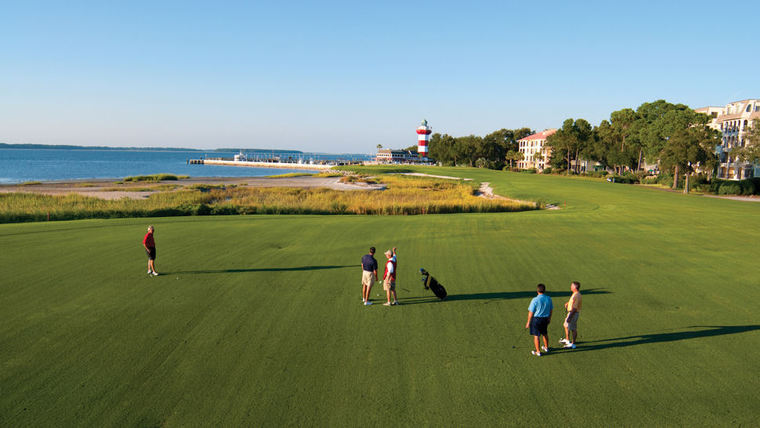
(150, 248)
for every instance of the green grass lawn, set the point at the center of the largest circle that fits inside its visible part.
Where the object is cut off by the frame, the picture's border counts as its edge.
(257, 320)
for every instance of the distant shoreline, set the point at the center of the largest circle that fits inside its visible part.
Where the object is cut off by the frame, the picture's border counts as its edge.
(8, 146)
(152, 149)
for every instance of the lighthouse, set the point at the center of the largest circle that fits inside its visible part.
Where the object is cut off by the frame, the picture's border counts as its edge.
(423, 135)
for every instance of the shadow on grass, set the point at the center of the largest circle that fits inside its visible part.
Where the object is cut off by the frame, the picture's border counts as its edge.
(265, 269)
(504, 295)
(622, 342)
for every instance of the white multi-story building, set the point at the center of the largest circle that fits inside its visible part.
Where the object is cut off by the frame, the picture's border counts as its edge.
(533, 144)
(734, 121)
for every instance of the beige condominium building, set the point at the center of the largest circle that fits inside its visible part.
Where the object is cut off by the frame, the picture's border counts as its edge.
(734, 121)
(535, 152)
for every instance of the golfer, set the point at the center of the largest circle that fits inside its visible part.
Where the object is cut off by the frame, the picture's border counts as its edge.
(369, 275)
(539, 317)
(389, 278)
(150, 247)
(573, 307)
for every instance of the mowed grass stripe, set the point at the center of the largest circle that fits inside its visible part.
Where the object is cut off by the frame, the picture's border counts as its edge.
(258, 319)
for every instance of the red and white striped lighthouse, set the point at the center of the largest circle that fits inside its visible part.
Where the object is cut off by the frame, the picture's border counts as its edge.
(423, 135)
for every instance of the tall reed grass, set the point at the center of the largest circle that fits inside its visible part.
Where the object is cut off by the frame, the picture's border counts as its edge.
(154, 178)
(403, 196)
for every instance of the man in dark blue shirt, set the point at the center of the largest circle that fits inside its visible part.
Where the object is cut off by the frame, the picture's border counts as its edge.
(369, 275)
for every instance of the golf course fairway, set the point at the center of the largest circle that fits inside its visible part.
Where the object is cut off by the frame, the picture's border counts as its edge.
(258, 320)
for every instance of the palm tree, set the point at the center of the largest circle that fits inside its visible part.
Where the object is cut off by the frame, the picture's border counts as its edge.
(538, 157)
(514, 156)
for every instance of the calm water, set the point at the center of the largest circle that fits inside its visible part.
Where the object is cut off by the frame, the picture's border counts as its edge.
(20, 165)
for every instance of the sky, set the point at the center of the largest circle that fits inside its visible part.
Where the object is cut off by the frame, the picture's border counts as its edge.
(343, 77)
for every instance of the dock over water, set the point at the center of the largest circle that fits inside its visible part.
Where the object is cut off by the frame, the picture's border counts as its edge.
(261, 164)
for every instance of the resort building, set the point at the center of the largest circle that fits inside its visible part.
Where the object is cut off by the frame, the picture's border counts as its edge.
(396, 156)
(734, 121)
(535, 152)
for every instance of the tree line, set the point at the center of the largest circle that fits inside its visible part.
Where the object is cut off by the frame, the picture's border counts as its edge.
(495, 150)
(668, 137)
(671, 136)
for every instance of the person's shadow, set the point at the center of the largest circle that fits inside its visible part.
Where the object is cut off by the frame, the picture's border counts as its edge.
(263, 269)
(501, 295)
(643, 339)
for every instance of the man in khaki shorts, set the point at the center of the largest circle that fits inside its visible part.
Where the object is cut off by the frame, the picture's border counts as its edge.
(389, 278)
(573, 307)
(369, 275)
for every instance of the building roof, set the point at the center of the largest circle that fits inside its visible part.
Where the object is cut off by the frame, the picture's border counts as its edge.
(539, 135)
(395, 151)
(746, 116)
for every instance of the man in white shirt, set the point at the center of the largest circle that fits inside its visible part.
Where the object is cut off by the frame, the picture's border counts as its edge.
(389, 278)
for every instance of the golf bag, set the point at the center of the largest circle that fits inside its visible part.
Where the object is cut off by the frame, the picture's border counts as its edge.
(432, 284)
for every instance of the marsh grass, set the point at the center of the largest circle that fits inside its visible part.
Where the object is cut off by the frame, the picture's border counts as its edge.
(404, 196)
(292, 174)
(155, 188)
(359, 178)
(154, 178)
(375, 169)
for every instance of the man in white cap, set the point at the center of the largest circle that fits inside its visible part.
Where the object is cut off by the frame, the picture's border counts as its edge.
(150, 248)
(389, 278)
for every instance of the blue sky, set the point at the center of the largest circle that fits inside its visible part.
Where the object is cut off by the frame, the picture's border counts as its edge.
(346, 76)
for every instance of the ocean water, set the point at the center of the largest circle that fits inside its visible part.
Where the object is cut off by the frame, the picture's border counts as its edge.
(20, 165)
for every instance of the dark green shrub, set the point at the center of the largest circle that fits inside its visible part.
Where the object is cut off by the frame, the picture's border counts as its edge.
(730, 188)
(650, 180)
(715, 185)
(625, 178)
(748, 187)
(700, 179)
(597, 174)
(666, 179)
(226, 210)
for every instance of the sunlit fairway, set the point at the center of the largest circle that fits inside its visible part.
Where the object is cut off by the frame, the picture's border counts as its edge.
(257, 320)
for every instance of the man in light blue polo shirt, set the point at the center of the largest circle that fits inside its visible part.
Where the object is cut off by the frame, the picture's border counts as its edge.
(539, 317)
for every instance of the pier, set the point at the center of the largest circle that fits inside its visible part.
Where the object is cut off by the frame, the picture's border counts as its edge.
(261, 164)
